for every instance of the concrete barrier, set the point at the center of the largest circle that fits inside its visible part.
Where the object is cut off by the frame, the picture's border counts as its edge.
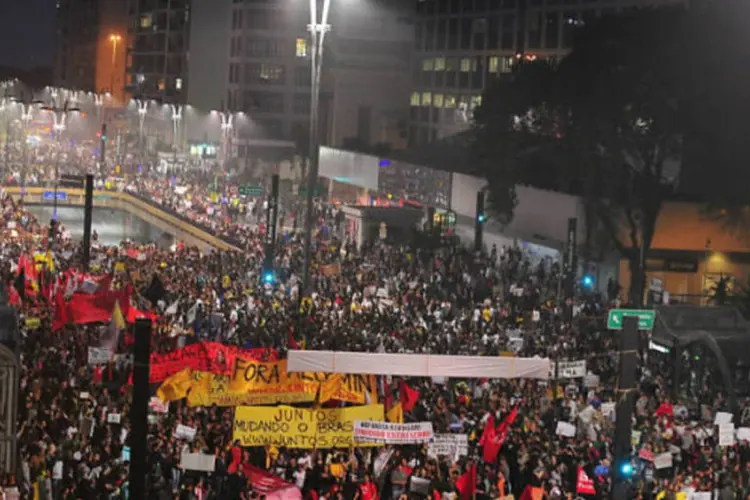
(181, 230)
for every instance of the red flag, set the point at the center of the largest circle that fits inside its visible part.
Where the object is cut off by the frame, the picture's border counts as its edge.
(408, 396)
(291, 344)
(134, 314)
(97, 308)
(532, 493)
(14, 298)
(467, 483)
(493, 439)
(62, 314)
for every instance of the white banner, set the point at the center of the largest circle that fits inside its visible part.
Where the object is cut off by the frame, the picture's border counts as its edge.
(663, 461)
(565, 429)
(418, 365)
(726, 435)
(568, 369)
(113, 418)
(184, 432)
(197, 461)
(99, 355)
(450, 445)
(385, 432)
(156, 405)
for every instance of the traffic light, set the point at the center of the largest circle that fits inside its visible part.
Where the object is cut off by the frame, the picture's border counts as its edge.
(103, 134)
(626, 469)
(479, 226)
(481, 218)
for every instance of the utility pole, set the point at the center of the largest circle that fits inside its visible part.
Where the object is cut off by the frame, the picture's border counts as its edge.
(87, 219)
(139, 408)
(479, 223)
(622, 468)
(103, 148)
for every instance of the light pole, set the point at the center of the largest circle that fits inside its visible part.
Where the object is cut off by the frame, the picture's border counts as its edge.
(5, 106)
(227, 123)
(99, 102)
(26, 114)
(318, 32)
(59, 119)
(142, 110)
(176, 111)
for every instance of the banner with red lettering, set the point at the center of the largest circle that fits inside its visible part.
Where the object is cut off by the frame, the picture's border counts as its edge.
(584, 484)
(212, 357)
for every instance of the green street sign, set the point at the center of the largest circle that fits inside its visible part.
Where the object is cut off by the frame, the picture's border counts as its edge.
(252, 190)
(645, 318)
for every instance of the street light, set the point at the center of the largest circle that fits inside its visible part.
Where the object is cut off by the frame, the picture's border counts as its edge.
(227, 123)
(318, 32)
(142, 110)
(26, 108)
(114, 39)
(176, 111)
(59, 119)
(99, 102)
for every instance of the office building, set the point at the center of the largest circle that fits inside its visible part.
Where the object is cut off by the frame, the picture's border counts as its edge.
(158, 38)
(91, 46)
(461, 46)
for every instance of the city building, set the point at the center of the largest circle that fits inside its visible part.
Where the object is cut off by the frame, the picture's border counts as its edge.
(258, 62)
(158, 37)
(91, 46)
(461, 46)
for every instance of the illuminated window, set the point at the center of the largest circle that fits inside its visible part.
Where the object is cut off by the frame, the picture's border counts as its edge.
(271, 73)
(449, 101)
(437, 101)
(493, 64)
(426, 99)
(428, 65)
(440, 64)
(160, 85)
(146, 21)
(301, 50)
(415, 99)
(178, 83)
(476, 101)
(465, 65)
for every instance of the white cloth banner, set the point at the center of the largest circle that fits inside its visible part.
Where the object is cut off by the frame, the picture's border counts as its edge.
(726, 435)
(450, 445)
(743, 434)
(722, 418)
(99, 355)
(385, 432)
(565, 429)
(663, 461)
(418, 365)
(184, 432)
(113, 418)
(197, 461)
(568, 369)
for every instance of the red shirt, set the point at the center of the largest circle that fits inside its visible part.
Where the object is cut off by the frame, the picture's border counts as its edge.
(368, 491)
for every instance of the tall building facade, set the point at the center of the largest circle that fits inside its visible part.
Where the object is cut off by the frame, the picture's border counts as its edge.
(91, 46)
(158, 38)
(461, 46)
(259, 63)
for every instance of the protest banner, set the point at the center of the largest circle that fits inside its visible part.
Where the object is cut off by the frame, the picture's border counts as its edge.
(301, 427)
(568, 369)
(269, 486)
(389, 433)
(185, 432)
(663, 461)
(264, 383)
(113, 418)
(450, 445)
(99, 355)
(726, 434)
(198, 461)
(212, 357)
(584, 484)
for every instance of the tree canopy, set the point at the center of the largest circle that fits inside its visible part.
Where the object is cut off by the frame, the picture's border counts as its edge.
(608, 122)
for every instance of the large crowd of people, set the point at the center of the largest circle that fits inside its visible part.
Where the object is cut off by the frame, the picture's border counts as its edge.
(382, 297)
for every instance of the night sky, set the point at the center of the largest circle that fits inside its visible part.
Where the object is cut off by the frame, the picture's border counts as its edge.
(27, 33)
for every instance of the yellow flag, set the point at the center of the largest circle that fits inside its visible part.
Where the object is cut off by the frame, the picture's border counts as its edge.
(176, 387)
(117, 318)
(330, 387)
(396, 414)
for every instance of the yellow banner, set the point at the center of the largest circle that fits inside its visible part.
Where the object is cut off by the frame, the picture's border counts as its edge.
(257, 383)
(301, 427)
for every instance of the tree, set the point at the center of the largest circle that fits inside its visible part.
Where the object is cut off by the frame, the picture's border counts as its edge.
(604, 123)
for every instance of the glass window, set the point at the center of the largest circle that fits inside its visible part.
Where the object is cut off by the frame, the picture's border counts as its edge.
(437, 101)
(493, 64)
(450, 64)
(426, 99)
(428, 64)
(301, 47)
(146, 21)
(440, 64)
(415, 99)
(465, 65)
(449, 101)
(476, 101)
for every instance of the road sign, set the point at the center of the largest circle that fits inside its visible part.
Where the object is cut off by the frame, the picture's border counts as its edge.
(252, 190)
(50, 196)
(645, 318)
